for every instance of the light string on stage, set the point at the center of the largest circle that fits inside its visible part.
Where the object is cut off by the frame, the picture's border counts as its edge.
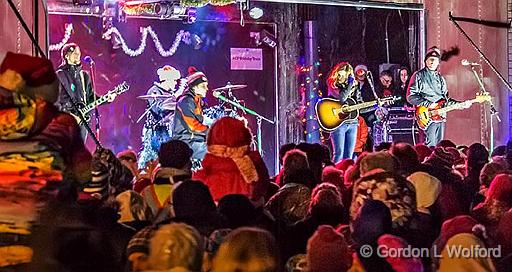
(180, 36)
(311, 100)
(202, 3)
(65, 39)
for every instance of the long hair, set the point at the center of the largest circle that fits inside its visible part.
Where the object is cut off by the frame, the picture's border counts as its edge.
(333, 80)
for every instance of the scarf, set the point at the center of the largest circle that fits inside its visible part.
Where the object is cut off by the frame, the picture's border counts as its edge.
(240, 157)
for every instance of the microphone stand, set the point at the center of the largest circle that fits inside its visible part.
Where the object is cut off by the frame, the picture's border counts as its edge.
(92, 69)
(500, 76)
(259, 118)
(493, 110)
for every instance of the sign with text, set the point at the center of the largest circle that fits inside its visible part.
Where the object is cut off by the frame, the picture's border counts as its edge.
(246, 59)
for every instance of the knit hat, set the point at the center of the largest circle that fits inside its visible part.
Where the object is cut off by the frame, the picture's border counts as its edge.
(433, 52)
(168, 72)
(237, 209)
(427, 188)
(230, 138)
(176, 245)
(175, 154)
(195, 77)
(451, 227)
(31, 76)
(444, 156)
(192, 200)
(327, 251)
(501, 189)
(378, 160)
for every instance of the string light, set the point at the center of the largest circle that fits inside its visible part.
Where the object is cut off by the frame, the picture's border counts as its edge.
(65, 39)
(180, 36)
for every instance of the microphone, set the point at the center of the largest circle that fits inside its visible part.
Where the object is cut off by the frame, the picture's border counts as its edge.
(88, 60)
(217, 94)
(466, 62)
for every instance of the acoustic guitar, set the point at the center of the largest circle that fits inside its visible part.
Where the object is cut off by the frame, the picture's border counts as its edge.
(426, 116)
(331, 113)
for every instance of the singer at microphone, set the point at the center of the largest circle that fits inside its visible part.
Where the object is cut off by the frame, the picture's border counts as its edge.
(466, 62)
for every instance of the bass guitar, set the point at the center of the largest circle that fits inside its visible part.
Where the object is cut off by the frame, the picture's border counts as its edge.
(108, 97)
(331, 113)
(426, 116)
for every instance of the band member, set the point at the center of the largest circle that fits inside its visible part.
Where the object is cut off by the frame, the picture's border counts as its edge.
(385, 87)
(158, 126)
(403, 83)
(427, 88)
(342, 85)
(189, 120)
(75, 82)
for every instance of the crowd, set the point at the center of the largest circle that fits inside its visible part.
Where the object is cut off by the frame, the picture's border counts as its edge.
(101, 213)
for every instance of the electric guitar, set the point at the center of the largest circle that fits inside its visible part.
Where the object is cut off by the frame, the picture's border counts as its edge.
(85, 109)
(426, 116)
(331, 113)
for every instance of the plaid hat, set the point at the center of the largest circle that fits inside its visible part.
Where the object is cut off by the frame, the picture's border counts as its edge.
(140, 241)
(433, 52)
(195, 77)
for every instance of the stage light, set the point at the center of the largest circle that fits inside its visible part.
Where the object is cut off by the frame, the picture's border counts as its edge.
(256, 13)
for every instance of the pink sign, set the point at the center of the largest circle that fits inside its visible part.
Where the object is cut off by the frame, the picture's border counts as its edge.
(246, 59)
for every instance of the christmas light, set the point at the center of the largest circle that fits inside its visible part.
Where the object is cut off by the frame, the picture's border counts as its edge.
(65, 39)
(180, 36)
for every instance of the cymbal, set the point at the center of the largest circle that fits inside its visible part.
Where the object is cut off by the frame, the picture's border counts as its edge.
(154, 96)
(229, 87)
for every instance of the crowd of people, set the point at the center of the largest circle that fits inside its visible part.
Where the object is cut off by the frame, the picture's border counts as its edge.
(101, 212)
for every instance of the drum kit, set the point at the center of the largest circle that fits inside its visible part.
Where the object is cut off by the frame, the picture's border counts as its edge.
(229, 106)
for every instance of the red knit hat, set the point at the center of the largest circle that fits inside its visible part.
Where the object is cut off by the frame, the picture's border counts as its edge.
(32, 76)
(195, 77)
(501, 189)
(327, 250)
(230, 132)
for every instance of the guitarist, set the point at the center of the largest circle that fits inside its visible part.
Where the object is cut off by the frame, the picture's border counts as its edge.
(428, 88)
(342, 85)
(76, 82)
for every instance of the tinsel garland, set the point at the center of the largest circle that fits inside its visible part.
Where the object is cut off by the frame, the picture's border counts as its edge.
(202, 3)
(65, 39)
(181, 36)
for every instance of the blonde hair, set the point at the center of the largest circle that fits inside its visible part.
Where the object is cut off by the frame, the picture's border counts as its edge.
(176, 245)
(247, 249)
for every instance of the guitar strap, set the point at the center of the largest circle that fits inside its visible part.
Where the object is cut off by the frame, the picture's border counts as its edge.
(84, 91)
